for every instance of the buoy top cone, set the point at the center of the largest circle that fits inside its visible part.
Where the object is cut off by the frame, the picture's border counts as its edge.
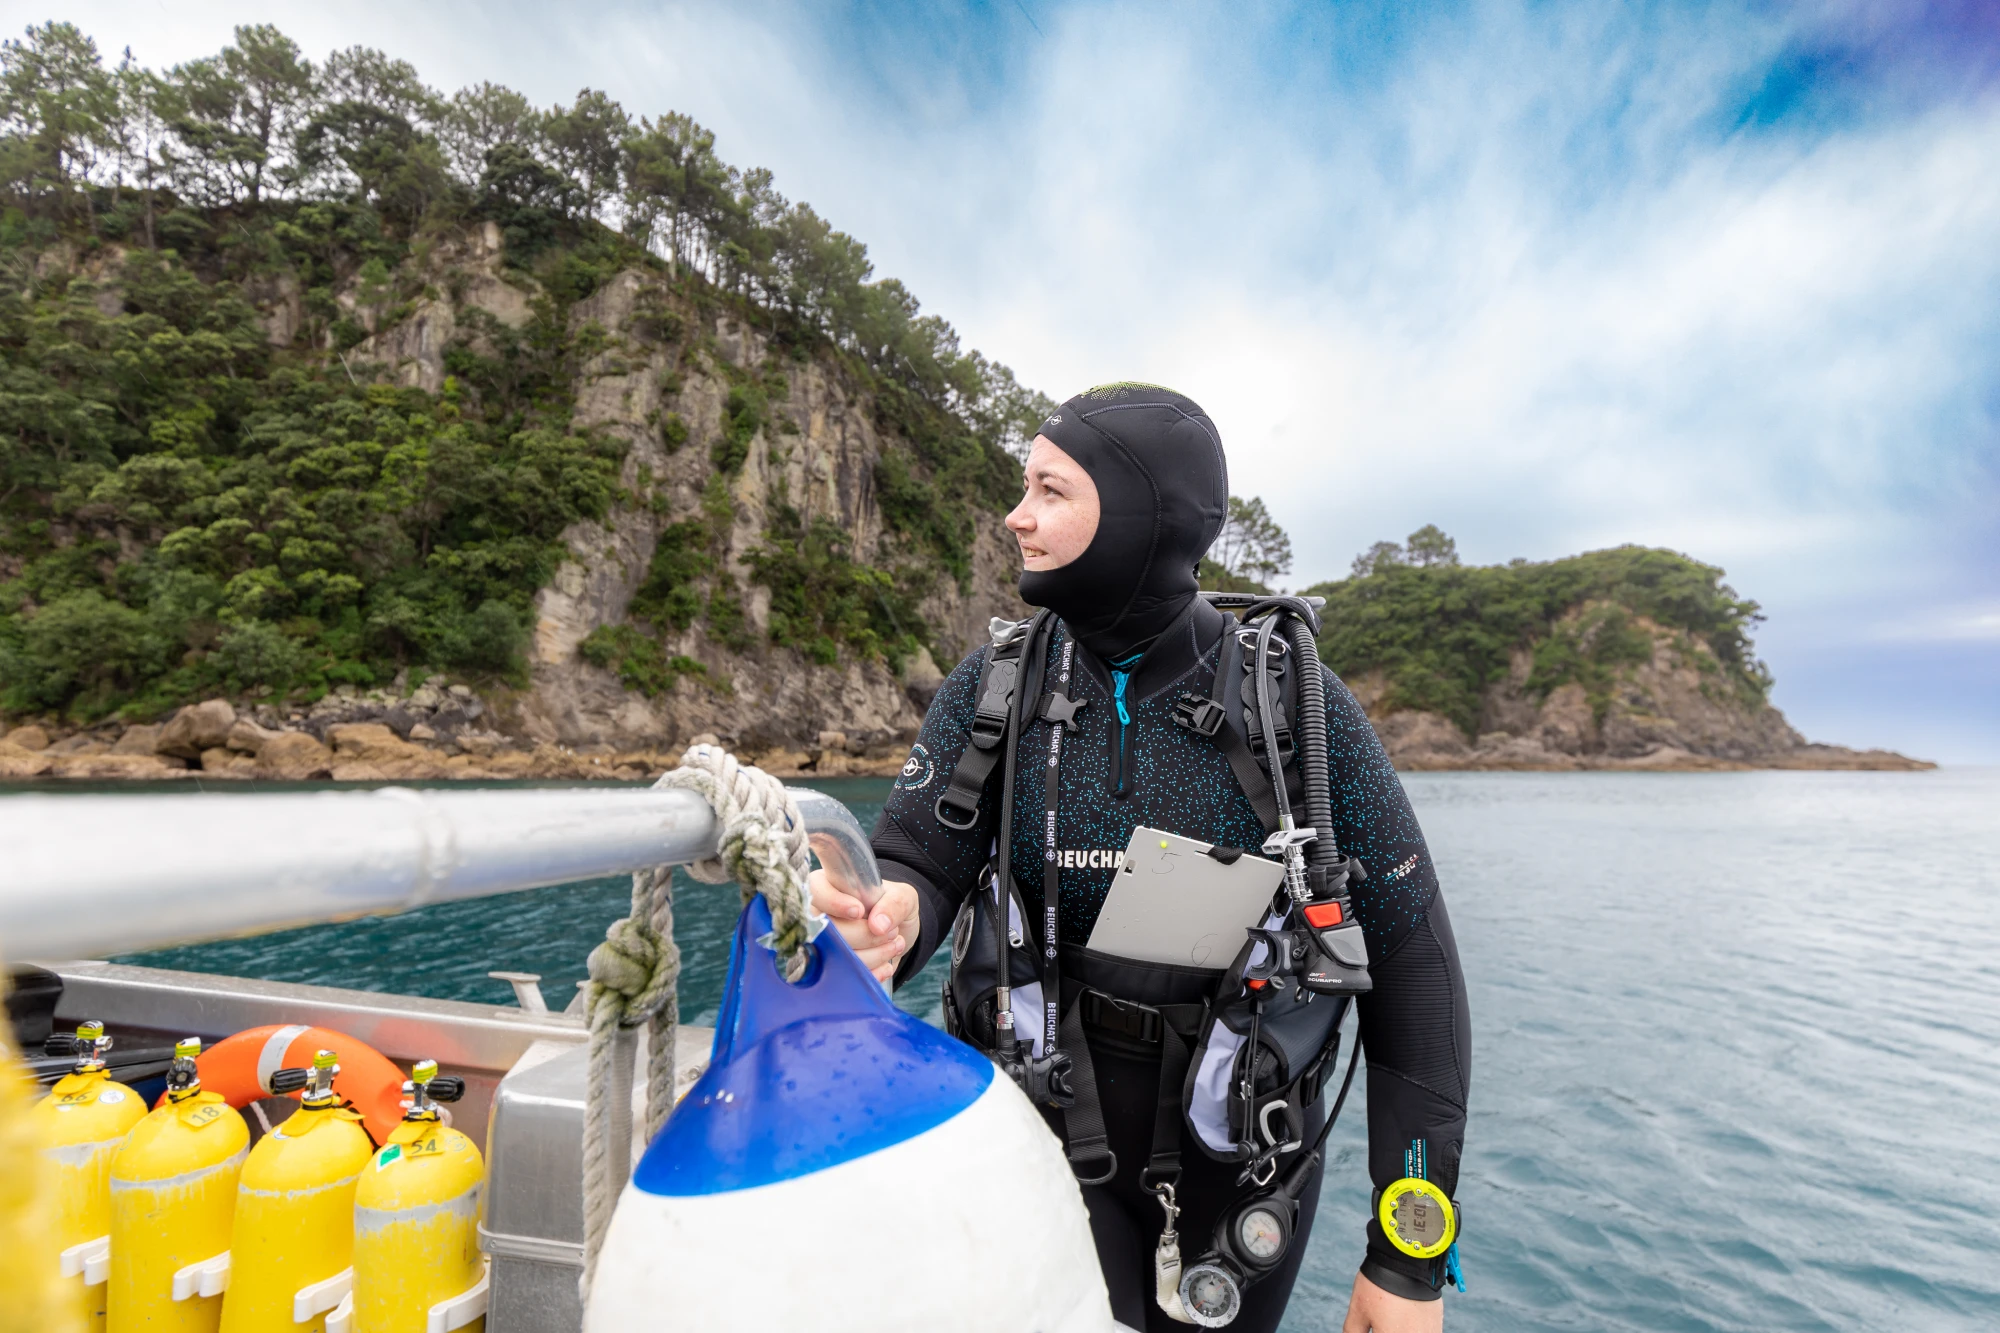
(830, 1119)
(806, 1075)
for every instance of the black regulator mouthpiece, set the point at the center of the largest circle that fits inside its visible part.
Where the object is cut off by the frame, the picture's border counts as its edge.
(1044, 1078)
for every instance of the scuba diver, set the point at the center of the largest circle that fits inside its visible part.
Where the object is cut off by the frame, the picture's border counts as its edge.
(1134, 720)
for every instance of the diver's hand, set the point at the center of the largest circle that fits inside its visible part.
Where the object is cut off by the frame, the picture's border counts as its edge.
(879, 938)
(1371, 1308)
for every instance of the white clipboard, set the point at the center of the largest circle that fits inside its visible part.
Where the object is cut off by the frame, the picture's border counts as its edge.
(1173, 902)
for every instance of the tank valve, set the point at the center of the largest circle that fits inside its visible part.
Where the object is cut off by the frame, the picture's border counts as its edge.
(317, 1081)
(427, 1087)
(183, 1075)
(89, 1045)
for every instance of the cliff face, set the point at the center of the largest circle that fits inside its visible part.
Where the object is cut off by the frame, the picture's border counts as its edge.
(816, 451)
(1674, 711)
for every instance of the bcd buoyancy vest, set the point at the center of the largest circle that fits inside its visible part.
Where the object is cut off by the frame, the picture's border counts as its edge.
(1244, 1049)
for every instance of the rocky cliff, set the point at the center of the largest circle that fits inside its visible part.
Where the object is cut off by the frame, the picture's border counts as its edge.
(667, 359)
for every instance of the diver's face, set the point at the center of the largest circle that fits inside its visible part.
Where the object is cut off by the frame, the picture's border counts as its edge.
(1057, 515)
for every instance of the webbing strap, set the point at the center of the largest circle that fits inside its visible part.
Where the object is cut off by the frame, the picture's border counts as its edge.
(1175, 1055)
(1083, 1120)
(1061, 715)
(1255, 783)
(957, 807)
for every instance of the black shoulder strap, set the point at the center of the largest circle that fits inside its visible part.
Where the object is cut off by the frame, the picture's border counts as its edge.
(999, 685)
(1256, 784)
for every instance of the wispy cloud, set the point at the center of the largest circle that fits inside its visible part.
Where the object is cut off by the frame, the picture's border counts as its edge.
(1947, 624)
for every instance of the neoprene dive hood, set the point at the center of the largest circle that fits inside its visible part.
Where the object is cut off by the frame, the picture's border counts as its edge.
(1163, 492)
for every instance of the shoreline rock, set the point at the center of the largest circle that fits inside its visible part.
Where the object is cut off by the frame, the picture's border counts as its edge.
(427, 737)
(1516, 757)
(239, 748)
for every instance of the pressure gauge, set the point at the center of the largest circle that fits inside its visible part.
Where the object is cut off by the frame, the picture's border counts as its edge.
(1261, 1235)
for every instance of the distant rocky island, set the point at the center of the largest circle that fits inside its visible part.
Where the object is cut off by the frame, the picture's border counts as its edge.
(1630, 658)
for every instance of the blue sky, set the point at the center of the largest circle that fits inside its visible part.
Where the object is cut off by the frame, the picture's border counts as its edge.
(1724, 278)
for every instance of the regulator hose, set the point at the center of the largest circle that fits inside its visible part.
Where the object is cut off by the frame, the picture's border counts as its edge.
(1312, 741)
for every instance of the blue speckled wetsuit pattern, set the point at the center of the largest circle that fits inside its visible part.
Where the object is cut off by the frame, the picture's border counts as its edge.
(1178, 782)
(1415, 1026)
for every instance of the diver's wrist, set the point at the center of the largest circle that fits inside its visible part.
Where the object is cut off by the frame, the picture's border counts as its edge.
(1397, 1282)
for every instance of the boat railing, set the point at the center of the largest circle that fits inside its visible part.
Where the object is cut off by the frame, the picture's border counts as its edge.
(87, 875)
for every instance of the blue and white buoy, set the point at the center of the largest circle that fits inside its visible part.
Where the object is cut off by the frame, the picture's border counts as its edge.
(833, 1129)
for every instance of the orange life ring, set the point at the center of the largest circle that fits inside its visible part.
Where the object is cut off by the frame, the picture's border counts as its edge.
(239, 1067)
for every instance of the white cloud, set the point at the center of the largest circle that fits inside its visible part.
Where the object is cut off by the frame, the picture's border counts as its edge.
(1978, 623)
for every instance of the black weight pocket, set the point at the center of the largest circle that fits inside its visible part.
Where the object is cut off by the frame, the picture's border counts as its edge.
(1293, 1038)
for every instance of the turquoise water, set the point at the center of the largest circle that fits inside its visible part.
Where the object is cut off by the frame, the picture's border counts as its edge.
(1734, 1053)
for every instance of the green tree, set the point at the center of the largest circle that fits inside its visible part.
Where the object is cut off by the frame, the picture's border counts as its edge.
(675, 182)
(142, 140)
(1249, 553)
(82, 646)
(1378, 558)
(370, 137)
(479, 119)
(1429, 546)
(58, 115)
(584, 141)
(237, 114)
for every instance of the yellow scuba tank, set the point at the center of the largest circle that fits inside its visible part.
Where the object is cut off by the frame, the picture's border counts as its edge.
(173, 1195)
(293, 1239)
(80, 1125)
(416, 1220)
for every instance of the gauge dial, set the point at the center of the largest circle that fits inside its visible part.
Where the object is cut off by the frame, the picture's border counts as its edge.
(1210, 1295)
(1260, 1233)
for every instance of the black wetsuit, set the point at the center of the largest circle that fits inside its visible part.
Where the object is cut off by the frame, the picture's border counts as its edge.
(1117, 774)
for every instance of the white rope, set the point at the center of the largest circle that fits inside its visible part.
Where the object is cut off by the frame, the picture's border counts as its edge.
(761, 844)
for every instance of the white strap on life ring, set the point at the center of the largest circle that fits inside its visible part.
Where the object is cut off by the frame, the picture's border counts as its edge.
(272, 1058)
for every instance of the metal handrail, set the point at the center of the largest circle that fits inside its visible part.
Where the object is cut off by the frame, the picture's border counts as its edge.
(87, 875)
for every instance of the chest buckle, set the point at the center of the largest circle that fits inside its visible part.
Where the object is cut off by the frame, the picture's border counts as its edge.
(1124, 1018)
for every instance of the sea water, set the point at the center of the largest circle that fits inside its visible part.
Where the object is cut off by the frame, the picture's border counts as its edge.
(1734, 1041)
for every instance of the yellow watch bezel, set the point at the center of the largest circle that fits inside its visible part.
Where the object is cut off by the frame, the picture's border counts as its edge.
(1385, 1213)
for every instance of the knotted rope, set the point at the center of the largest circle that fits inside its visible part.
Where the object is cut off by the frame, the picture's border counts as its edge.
(761, 844)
